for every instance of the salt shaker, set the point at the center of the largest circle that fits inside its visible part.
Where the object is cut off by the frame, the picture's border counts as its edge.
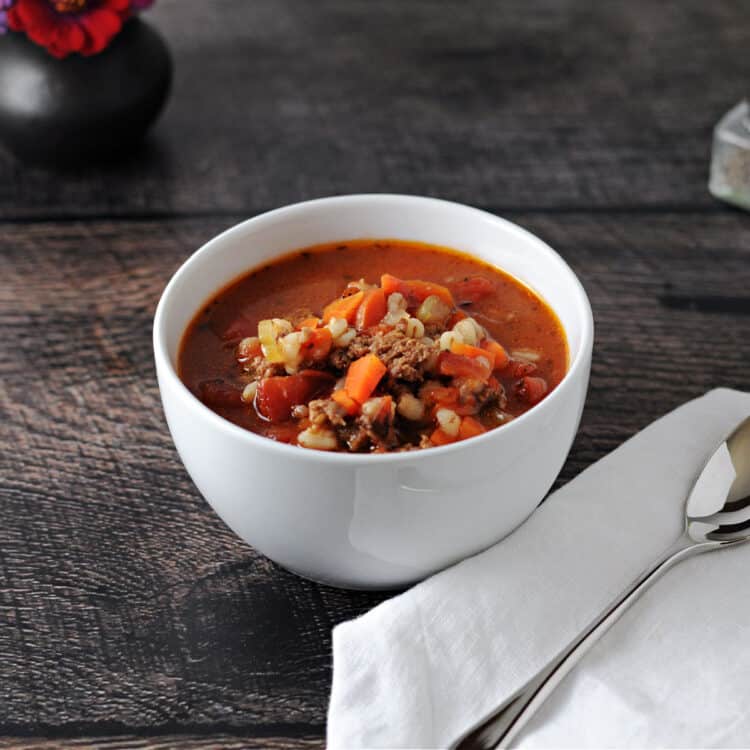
(730, 157)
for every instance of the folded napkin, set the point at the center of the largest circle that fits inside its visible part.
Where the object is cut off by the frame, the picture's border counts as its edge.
(421, 668)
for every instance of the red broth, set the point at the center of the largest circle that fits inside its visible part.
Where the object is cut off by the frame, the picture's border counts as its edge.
(304, 282)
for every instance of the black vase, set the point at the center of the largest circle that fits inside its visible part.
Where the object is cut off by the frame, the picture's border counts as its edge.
(82, 109)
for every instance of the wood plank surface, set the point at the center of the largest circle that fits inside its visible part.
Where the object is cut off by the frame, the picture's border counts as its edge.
(162, 742)
(521, 105)
(125, 604)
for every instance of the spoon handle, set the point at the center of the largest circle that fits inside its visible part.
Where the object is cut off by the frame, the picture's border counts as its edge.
(498, 729)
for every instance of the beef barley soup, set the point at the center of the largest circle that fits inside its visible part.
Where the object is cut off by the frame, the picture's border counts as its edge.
(373, 346)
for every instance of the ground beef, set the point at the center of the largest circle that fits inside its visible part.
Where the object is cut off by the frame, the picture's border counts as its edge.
(481, 394)
(369, 434)
(258, 367)
(404, 357)
(323, 411)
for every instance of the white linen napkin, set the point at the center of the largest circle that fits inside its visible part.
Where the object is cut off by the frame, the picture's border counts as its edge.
(421, 668)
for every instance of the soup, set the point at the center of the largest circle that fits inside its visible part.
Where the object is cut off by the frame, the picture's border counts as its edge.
(373, 346)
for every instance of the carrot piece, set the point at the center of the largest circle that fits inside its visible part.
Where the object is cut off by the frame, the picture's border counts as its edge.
(500, 357)
(390, 284)
(469, 428)
(415, 291)
(372, 309)
(309, 323)
(441, 437)
(342, 398)
(318, 345)
(363, 376)
(466, 350)
(343, 307)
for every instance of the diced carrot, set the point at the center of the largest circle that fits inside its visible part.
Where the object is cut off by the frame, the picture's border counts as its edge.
(342, 398)
(500, 357)
(531, 390)
(363, 376)
(390, 284)
(466, 350)
(415, 291)
(372, 309)
(456, 365)
(318, 345)
(472, 289)
(441, 437)
(343, 307)
(470, 427)
(309, 323)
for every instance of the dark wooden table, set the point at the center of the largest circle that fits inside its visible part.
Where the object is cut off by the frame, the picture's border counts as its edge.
(129, 615)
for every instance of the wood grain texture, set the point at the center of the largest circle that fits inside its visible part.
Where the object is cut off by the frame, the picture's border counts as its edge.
(519, 105)
(125, 603)
(162, 742)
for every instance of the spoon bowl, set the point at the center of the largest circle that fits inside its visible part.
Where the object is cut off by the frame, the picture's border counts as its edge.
(717, 514)
(718, 508)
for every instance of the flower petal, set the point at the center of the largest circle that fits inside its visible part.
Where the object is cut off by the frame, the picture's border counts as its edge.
(100, 25)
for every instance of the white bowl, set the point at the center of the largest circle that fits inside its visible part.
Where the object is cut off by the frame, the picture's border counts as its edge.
(373, 521)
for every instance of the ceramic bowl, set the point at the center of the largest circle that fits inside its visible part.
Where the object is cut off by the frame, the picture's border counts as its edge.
(373, 521)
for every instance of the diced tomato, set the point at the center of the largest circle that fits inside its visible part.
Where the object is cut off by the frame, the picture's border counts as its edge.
(455, 318)
(532, 390)
(372, 309)
(441, 437)
(239, 328)
(455, 365)
(500, 357)
(286, 432)
(278, 395)
(254, 349)
(472, 289)
(470, 427)
(219, 393)
(439, 394)
(415, 291)
(518, 369)
(316, 348)
(343, 399)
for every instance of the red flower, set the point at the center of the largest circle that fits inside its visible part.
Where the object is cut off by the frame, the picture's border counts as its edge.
(65, 26)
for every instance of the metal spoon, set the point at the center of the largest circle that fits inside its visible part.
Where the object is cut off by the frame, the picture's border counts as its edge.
(717, 514)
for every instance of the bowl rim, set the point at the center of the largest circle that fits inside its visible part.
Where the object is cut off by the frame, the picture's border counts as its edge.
(167, 371)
